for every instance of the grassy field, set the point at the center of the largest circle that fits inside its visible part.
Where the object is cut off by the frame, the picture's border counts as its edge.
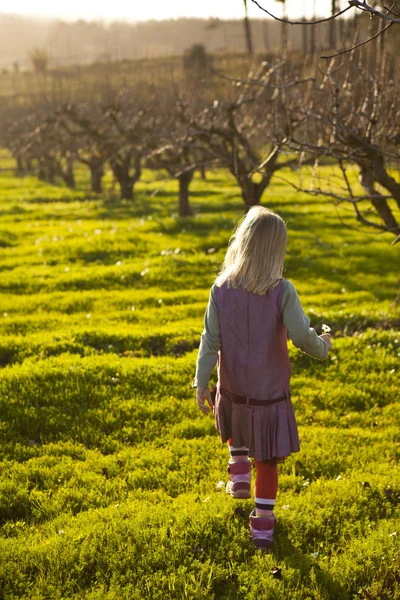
(109, 472)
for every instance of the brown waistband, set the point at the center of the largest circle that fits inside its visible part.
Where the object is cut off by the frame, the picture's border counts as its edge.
(236, 399)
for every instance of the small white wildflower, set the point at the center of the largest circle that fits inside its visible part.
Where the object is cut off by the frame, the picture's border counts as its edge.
(314, 554)
(66, 269)
(61, 532)
(160, 301)
(326, 328)
(97, 231)
(220, 485)
(88, 316)
(118, 263)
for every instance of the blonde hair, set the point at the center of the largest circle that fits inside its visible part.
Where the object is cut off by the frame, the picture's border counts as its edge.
(256, 252)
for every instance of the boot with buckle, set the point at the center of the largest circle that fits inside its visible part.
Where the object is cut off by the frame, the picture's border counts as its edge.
(239, 483)
(262, 531)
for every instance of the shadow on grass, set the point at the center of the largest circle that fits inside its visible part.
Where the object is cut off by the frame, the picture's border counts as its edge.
(308, 569)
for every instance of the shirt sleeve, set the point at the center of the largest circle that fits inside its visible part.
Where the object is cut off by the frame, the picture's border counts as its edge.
(210, 343)
(298, 327)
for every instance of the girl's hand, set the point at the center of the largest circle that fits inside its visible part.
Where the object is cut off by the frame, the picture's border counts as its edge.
(203, 395)
(327, 338)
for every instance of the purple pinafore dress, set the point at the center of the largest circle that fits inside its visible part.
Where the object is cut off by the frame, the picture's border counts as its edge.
(253, 362)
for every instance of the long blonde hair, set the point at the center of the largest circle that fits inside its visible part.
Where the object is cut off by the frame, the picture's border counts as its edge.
(256, 252)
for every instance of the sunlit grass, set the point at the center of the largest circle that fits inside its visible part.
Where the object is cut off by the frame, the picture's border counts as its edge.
(109, 471)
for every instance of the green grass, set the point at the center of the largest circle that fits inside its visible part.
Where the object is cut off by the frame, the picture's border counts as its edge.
(109, 472)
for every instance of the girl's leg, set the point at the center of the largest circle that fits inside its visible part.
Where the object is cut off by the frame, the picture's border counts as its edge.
(239, 469)
(238, 454)
(266, 488)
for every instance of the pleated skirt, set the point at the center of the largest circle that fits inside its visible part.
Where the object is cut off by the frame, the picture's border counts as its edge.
(269, 432)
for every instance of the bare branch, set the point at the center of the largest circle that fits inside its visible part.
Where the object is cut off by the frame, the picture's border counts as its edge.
(338, 14)
(360, 44)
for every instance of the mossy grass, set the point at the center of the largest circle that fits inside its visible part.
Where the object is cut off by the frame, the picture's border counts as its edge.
(109, 472)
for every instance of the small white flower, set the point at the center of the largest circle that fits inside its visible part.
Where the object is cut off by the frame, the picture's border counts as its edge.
(118, 263)
(61, 532)
(326, 328)
(220, 485)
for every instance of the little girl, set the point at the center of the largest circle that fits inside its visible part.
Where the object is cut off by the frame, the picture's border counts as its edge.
(252, 311)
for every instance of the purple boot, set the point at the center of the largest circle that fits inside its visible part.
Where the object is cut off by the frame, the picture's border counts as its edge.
(239, 483)
(262, 531)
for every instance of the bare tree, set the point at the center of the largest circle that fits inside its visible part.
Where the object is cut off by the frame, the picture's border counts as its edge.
(180, 155)
(40, 59)
(351, 118)
(247, 135)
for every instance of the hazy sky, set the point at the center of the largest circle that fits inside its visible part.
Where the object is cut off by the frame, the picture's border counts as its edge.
(138, 10)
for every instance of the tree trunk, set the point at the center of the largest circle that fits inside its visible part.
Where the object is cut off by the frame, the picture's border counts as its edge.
(96, 175)
(42, 171)
(126, 187)
(68, 174)
(184, 182)
(121, 173)
(51, 173)
(332, 26)
(252, 192)
(386, 180)
(20, 170)
(379, 202)
(247, 30)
